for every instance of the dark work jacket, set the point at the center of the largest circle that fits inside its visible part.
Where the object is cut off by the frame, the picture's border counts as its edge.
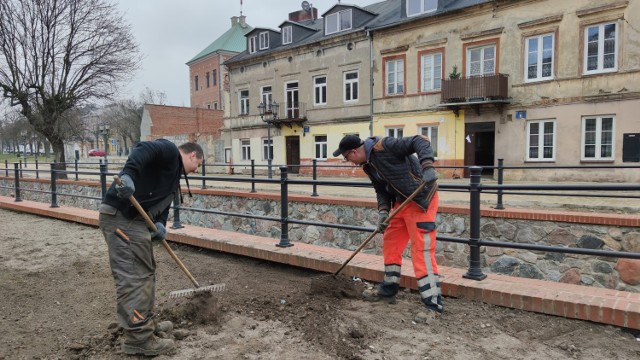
(156, 168)
(395, 170)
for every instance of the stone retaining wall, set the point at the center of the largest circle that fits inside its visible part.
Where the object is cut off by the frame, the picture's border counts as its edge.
(620, 274)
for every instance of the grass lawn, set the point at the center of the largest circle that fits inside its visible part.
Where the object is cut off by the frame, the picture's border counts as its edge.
(11, 158)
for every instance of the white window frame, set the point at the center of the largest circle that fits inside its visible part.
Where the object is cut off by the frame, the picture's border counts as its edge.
(251, 46)
(395, 77)
(350, 85)
(598, 141)
(395, 132)
(287, 35)
(431, 79)
(429, 131)
(245, 149)
(423, 7)
(243, 102)
(266, 96)
(538, 56)
(320, 147)
(600, 44)
(266, 147)
(482, 60)
(540, 142)
(343, 21)
(263, 41)
(320, 90)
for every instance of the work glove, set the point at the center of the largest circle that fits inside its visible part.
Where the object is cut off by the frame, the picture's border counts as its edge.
(383, 216)
(429, 175)
(160, 233)
(127, 188)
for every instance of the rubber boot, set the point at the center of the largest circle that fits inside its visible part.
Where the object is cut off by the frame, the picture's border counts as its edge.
(386, 292)
(152, 347)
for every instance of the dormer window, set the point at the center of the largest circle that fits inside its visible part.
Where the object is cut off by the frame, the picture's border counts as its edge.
(264, 40)
(419, 7)
(287, 35)
(252, 45)
(339, 21)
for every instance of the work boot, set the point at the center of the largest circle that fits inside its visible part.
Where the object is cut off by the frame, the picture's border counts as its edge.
(151, 347)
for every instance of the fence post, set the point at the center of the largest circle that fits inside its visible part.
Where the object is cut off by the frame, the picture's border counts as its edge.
(54, 187)
(21, 174)
(204, 171)
(103, 179)
(37, 172)
(17, 182)
(284, 209)
(76, 167)
(253, 175)
(475, 267)
(176, 211)
(499, 205)
(6, 168)
(315, 177)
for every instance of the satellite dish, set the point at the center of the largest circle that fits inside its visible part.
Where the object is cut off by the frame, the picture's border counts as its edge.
(305, 6)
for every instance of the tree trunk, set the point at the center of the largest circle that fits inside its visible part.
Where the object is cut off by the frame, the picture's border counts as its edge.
(59, 158)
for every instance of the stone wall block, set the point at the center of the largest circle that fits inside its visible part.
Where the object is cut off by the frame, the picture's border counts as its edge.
(611, 243)
(529, 271)
(629, 270)
(571, 276)
(590, 242)
(490, 231)
(560, 236)
(508, 230)
(530, 235)
(505, 265)
(631, 242)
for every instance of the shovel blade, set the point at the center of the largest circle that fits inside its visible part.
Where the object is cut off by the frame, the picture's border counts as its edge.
(189, 292)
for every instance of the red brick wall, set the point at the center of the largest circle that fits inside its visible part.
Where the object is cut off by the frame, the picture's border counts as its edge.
(207, 96)
(174, 120)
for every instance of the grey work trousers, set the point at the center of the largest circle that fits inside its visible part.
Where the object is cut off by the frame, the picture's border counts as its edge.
(134, 271)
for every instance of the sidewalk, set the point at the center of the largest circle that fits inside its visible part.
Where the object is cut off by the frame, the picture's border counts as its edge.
(605, 306)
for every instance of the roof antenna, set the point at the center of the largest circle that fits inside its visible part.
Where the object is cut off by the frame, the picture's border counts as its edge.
(240, 7)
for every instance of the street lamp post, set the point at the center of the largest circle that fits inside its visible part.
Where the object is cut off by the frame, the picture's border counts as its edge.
(269, 113)
(104, 131)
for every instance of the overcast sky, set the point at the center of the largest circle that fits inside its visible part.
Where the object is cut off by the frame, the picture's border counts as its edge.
(172, 32)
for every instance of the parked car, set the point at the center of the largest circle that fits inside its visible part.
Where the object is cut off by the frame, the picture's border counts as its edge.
(96, 152)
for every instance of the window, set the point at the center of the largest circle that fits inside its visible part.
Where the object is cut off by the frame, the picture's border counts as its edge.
(431, 67)
(292, 101)
(320, 146)
(597, 138)
(287, 35)
(320, 90)
(245, 148)
(417, 7)
(394, 70)
(351, 86)
(215, 105)
(244, 102)
(214, 77)
(264, 40)
(267, 149)
(431, 132)
(252, 45)
(195, 82)
(395, 132)
(481, 60)
(207, 79)
(266, 96)
(541, 140)
(539, 57)
(339, 21)
(601, 48)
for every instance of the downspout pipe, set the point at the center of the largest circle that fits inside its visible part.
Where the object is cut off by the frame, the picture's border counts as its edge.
(370, 36)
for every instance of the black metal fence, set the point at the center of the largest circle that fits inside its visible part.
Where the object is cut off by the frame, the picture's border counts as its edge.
(474, 188)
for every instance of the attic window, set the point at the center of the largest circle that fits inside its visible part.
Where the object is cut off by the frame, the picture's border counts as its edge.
(419, 7)
(264, 40)
(339, 21)
(287, 35)
(252, 45)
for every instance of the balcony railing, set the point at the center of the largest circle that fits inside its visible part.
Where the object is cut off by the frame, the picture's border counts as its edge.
(477, 88)
(293, 114)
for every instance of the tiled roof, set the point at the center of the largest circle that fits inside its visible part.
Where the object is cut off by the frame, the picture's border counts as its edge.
(232, 40)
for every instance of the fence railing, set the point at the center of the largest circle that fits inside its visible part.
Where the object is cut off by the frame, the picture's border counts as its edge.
(474, 188)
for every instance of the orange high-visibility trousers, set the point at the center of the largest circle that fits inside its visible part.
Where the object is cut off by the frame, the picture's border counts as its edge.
(415, 224)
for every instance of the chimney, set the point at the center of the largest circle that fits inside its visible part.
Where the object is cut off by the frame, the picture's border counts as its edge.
(243, 21)
(234, 21)
(301, 15)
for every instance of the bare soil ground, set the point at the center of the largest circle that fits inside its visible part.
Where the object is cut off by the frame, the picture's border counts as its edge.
(57, 301)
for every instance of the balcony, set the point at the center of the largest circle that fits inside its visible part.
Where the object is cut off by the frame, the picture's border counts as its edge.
(292, 114)
(474, 91)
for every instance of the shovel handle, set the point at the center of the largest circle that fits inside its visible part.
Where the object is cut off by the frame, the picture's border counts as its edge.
(432, 191)
(152, 226)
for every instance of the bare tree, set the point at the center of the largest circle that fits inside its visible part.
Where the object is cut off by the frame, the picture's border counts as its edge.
(57, 54)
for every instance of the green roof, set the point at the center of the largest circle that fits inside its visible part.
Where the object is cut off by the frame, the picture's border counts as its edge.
(232, 40)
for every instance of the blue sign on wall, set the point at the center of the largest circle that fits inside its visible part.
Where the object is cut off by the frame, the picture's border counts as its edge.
(521, 114)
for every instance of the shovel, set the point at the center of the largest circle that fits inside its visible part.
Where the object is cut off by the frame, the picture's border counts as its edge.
(152, 226)
(432, 191)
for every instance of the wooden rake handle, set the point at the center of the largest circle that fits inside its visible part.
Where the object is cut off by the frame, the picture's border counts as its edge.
(152, 226)
(432, 191)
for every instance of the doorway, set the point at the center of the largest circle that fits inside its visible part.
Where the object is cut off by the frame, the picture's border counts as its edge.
(293, 154)
(479, 147)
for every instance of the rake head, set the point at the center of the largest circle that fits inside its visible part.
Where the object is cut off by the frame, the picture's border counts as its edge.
(188, 292)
